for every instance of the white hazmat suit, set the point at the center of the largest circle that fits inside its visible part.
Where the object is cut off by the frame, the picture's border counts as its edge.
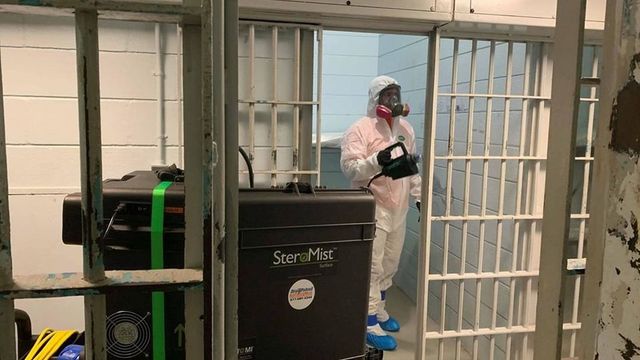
(360, 146)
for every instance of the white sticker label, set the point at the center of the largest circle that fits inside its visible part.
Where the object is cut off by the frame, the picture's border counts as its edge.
(301, 294)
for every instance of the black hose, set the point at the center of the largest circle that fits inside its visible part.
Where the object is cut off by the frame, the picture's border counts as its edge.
(25, 340)
(373, 178)
(249, 166)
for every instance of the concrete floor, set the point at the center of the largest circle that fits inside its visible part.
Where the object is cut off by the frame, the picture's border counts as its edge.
(404, 310)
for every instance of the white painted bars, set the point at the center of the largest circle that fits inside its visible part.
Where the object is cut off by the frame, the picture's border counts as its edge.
(430, 116)
(274, 108)
(565, 92)
(275, 101)
(584, 201)
(526, 161)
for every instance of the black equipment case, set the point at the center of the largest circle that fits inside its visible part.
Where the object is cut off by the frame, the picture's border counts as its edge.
(304, 267)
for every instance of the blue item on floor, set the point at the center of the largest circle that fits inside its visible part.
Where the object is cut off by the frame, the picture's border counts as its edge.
(381, 342)
(71, 352)
(390, 325)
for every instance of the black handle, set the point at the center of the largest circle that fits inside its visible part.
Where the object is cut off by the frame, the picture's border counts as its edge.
(400, 144)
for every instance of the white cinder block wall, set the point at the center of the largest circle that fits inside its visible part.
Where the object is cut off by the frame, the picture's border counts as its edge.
(264, 85)
(39, 79)
(405, 59)
(350, 62)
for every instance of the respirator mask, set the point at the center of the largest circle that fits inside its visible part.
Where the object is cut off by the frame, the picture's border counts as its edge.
(389, 105)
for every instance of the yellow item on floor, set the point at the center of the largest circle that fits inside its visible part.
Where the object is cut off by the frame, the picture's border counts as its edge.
(49, 342)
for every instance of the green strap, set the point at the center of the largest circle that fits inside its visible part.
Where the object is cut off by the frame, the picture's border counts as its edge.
(157, 262)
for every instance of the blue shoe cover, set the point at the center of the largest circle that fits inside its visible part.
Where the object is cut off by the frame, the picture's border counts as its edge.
(381, 342)
(390, 325)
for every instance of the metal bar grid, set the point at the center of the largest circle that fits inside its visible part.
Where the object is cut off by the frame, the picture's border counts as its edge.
(252, 92)
(296, 98)
(319, 105)
(489, 221)
(428, 149)
(483, 204)
(215, 326)
(503, 174)
(501, 330)
(94, 281)
(229, 17)
(518, 209)
(274, 107)
(483, 275)
(137, 8)
(276, 103)
(74, 284)
(448, 201)
(583, 214)
(91, 176)
(534, 195)
(491, 157)
(466, 201)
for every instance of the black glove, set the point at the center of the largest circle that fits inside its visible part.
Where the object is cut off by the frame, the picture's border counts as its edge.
(384, 157)
(418, 206)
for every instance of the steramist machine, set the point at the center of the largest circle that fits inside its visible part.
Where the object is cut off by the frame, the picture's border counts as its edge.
(304, 265)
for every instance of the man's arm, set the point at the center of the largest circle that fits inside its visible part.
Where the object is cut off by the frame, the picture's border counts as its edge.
(354, 161)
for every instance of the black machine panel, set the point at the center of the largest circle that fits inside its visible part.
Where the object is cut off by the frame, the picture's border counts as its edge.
(304, 265)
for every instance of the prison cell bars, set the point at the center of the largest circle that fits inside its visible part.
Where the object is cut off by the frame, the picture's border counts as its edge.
(527, 272)
(518, 208)
(583, 214)
(467, 184)
(569, 36)
(94, 282)
(276, 101)
(426, 187)
(447, 206)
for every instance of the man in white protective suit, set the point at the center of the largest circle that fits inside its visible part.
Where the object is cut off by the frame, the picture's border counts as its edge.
(363, 156)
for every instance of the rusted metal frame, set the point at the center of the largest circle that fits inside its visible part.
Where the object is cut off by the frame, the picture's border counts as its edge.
(74, 284)
(612, 168)
(197, 248)
(104, 14)
(557, 210)
(7, 316)
(206, 201)
(141, 7)
(91, 177)
(219, 179)
(231, 15)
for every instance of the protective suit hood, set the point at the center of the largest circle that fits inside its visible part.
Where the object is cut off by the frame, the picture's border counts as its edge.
(375, 87)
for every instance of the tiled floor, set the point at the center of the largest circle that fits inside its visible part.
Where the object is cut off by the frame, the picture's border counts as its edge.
(404, 310)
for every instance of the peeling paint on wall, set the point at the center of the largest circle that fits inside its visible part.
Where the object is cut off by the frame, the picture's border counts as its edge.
(619, 335)
(630, 350)
(624, 115)
(621, 278)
